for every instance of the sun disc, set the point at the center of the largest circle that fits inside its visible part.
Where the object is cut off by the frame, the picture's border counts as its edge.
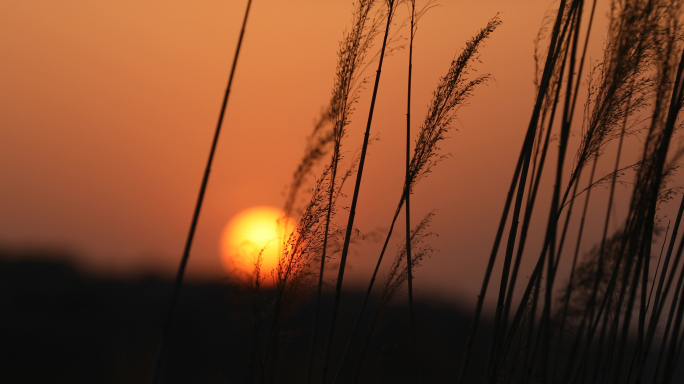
(253, 232)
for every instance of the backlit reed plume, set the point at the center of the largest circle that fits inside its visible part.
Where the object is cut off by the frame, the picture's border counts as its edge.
(310, 241)
(390, 7)
(352, 56)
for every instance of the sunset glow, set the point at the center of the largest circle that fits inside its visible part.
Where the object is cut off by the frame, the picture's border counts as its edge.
(251, 232)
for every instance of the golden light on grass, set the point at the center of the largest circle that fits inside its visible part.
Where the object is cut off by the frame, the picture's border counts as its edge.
(251, 232)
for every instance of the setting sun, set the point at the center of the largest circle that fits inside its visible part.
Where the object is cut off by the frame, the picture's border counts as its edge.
(248, 233)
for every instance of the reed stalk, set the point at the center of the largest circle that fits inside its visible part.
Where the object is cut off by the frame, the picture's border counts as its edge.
(407, 192)
(178, 282)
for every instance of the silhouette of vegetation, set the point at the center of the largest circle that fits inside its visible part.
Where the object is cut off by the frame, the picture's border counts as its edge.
(612, 314)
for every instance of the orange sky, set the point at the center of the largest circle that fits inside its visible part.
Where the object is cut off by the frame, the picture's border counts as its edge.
(107, 111)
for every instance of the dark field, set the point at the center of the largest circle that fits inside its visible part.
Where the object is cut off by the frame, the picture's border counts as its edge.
(59, 326)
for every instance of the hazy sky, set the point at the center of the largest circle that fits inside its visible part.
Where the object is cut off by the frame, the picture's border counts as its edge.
(107, 111)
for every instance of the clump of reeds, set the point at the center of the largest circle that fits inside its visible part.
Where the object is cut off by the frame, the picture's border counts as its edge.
(452, 91)
(296, 272)
(309, 243)
(618, 88)
(609, 292)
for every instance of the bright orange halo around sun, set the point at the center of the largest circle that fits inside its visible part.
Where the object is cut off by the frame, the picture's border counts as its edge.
(247, 234)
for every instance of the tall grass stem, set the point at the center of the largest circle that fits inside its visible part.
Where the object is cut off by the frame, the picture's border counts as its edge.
(205, 179)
